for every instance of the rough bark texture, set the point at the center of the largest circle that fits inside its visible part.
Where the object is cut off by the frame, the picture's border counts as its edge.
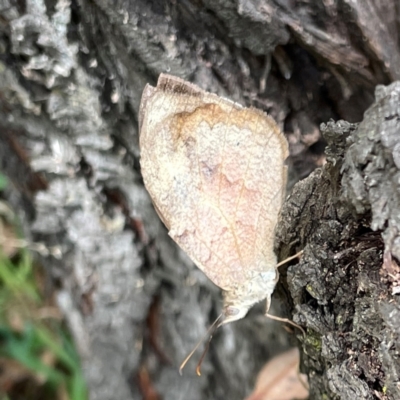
(345, 289)
(71, 80)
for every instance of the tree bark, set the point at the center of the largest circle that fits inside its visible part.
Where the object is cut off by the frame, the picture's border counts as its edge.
(72, 74)
(345, 288)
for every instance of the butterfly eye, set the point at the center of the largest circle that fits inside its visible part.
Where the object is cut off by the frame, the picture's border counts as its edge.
(231, 311)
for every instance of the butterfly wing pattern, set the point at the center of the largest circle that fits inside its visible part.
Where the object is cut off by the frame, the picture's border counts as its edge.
(216, 175)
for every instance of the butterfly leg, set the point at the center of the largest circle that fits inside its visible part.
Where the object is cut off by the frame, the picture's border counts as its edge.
(299, 254)
(288, 321)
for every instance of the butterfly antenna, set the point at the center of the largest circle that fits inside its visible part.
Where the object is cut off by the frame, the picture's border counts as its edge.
(198, 371)
(210, 332)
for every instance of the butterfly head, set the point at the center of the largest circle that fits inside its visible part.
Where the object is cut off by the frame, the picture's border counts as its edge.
(233, 313)
(238, 302)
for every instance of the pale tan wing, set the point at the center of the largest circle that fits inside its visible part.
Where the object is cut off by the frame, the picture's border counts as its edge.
(216, 174)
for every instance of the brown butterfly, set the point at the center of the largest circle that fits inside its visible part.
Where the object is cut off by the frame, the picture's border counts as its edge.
(216, 174)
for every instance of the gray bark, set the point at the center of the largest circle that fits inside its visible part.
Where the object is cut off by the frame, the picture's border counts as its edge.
(345, 289)
(71, 80)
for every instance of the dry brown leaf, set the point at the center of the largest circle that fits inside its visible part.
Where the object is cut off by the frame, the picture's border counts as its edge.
(146, 386)
(11, 372)
(280, 379)
(7, 239)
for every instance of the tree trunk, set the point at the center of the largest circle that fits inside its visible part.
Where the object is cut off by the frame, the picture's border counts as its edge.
(71, 81)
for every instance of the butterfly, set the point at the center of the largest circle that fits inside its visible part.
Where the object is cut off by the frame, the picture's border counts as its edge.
(216, 174)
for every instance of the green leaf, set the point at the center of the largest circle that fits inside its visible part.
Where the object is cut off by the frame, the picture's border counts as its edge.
(3, 182)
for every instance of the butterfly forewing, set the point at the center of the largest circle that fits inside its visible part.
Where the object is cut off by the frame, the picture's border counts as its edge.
(215, 173)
